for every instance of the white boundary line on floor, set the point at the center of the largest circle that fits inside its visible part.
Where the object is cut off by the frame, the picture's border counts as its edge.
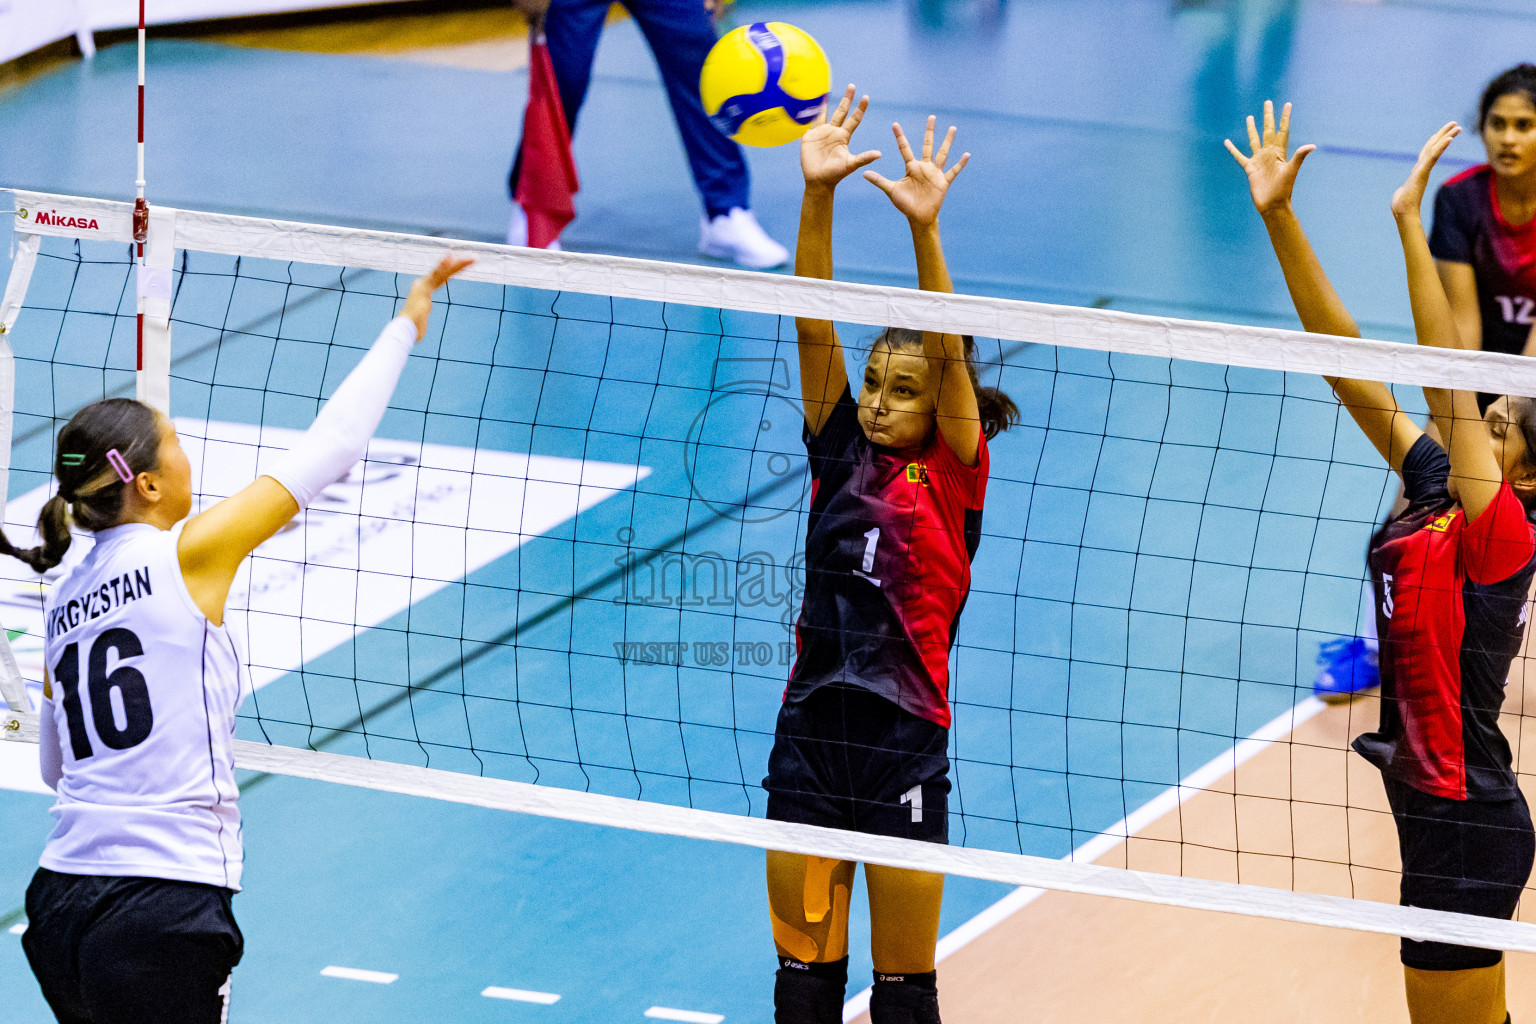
(1165, 802)
(358, 974)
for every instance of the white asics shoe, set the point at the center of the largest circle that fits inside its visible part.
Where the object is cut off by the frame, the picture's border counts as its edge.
(517, 229)
(738, 236)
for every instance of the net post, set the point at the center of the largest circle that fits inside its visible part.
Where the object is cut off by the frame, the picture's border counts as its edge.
(18, 723)
(154, 299)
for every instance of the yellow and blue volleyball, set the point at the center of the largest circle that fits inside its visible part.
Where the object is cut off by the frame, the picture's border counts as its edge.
(764, 84)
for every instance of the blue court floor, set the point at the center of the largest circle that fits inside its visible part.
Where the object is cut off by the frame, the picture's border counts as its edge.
(1098, 176)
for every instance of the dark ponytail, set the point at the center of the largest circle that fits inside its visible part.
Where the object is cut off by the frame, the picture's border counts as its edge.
(998, 411)
(1519, 80)
(90, 488)
(995, 409)
(53, 524)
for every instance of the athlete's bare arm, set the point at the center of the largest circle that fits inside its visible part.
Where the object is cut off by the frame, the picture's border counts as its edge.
(1475, 471)
(920, 195)
(1460, 283)
(1271, 179)
(825, 160)
(214, 543)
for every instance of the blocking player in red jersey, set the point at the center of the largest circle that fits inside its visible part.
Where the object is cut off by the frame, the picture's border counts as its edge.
(1451, 572)
(1484, 238)
(1484, 244)
(899, 476)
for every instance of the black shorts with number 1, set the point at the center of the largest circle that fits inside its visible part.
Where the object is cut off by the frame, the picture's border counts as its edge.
(845, 757)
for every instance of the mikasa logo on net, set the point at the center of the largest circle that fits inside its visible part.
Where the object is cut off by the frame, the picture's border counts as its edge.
(55, 219)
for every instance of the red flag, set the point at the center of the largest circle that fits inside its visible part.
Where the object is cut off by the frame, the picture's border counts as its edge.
(548, 178)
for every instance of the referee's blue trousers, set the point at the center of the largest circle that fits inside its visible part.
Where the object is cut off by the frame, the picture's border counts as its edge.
(680, 34)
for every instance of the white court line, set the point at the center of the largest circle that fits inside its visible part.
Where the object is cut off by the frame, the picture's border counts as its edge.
(17, 929)
(686, 1016)
(520, 995)
(1169, 800)
(357, 974)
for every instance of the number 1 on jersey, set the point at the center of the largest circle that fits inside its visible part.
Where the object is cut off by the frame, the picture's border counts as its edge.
(871, 541)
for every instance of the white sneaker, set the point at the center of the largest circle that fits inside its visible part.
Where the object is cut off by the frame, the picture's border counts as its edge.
(738, 236)
(517, 229)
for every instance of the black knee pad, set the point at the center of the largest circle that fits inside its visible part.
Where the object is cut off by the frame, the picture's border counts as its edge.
(1442, 956)
(809, 993)
(905, 999)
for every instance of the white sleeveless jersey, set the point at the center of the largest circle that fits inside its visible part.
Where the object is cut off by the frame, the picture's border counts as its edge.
(145, 690)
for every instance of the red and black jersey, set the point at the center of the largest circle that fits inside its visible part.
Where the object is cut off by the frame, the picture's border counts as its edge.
(888, 564)
(1450, 612)
(1470, 228)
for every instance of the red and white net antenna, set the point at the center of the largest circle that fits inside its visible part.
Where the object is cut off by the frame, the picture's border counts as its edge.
(140, 207)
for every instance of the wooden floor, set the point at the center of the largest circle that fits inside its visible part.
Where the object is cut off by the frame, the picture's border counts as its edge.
(1309, 815)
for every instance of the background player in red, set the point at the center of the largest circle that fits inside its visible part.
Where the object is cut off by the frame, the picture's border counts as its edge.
(1484, 244)
(899, 479)
(1451, 572)
(1484, 238)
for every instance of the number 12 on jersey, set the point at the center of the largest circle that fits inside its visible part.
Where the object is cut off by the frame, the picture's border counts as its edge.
(128, 682)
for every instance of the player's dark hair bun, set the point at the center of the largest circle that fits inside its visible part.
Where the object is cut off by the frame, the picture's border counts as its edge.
(1519, 79)
(90, 489)
(995, 409)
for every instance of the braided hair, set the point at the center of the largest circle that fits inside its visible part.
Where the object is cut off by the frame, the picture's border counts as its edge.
(91, 485)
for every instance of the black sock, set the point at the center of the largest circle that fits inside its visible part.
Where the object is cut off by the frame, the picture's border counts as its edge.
(809, 993)
(905, 999)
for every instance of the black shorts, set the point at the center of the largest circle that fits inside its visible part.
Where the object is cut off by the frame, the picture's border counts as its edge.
(847, 758)
(110, 950)
(1466, 856)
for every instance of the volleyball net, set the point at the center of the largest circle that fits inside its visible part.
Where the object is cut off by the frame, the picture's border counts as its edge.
(564, 580)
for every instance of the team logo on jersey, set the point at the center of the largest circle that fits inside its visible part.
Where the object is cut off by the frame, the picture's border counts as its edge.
(1441, 523)
(917, 473)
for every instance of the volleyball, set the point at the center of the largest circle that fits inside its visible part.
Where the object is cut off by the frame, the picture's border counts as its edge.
(764, 84)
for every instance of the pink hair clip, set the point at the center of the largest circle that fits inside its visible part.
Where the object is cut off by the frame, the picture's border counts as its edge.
(121, 465)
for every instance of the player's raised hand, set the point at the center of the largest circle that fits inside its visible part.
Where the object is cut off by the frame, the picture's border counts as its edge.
(1410, 196)
(825, 158)
(1271, 175)
(920, 194)
(418, 305)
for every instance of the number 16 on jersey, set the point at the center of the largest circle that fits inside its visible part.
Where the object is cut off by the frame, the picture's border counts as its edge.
(126, 682)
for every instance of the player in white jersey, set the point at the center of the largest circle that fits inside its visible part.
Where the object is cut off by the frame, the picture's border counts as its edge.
(129, 913)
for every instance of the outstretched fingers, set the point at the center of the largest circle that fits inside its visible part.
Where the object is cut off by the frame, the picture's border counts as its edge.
(954, 172)
(1254, 142)
(1269, 122)
(857, 117)
(880, 181)
(1435, 148)
(928, 137)
(943, 154)
(842, 107)
(864, 159)
(1301, 155)
(446, 268)
(1237, 154)
(1283, 133)
(902, 145)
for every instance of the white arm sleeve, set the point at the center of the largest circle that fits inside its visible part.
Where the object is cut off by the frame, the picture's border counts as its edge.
(340, 434)
(50, 759)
